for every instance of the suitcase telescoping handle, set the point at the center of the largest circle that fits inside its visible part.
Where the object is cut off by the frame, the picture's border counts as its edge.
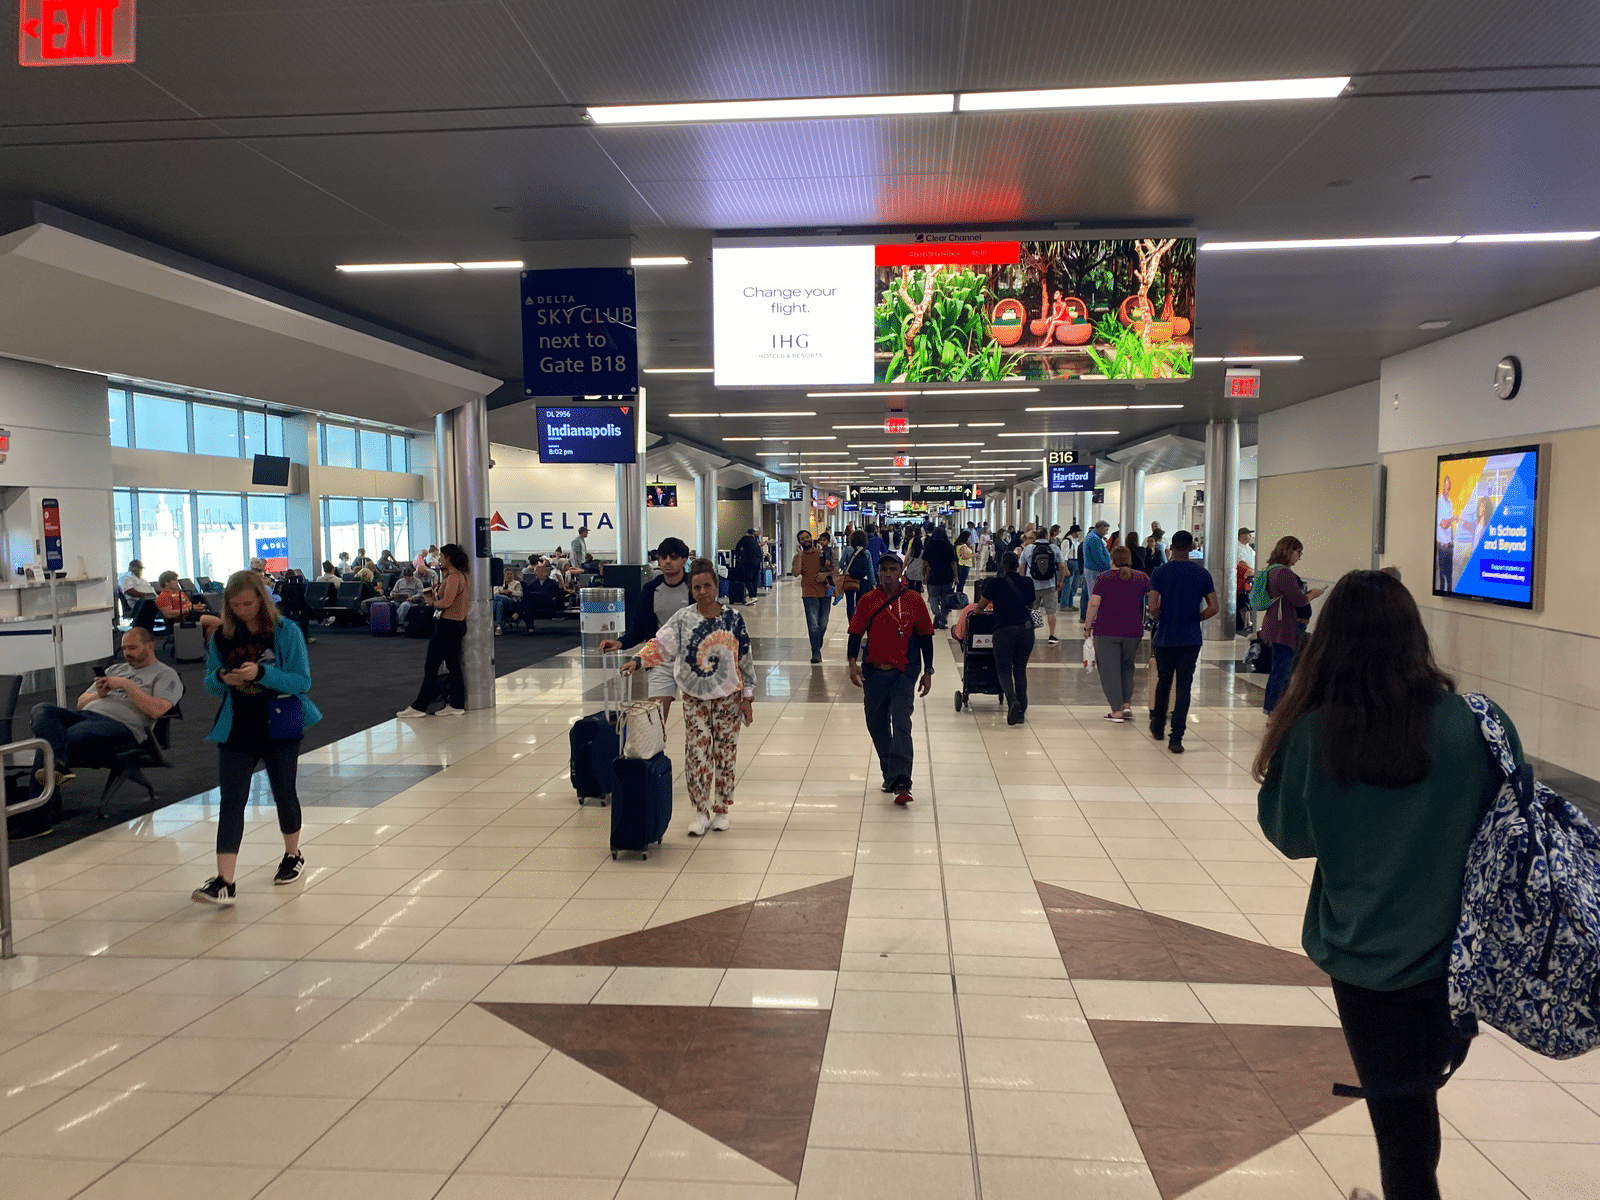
(613, 694)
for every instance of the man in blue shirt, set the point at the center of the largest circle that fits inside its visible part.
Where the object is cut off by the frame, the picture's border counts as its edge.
(1181, 596)
(1096, 558)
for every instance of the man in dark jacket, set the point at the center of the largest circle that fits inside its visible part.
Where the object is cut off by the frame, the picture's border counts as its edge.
(747, 564)
(940, 559)
(658, 600)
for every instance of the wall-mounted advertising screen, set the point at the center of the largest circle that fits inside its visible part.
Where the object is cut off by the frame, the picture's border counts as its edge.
(1070, 477)
(775, 491)
(661, 495)
(586, 435)
(952, 307)
(1486, 525)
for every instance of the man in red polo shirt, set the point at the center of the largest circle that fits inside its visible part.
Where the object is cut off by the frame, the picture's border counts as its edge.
(898, 631)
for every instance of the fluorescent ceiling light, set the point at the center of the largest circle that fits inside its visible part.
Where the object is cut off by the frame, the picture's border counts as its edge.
(784, 437)
(847, 395)
(775, 413)
(1062, 433)
(769, 110)
(1432, 324)
(988, 391)
(1325, 88)
(679, 370)
(504, 264)
(986, 424)
(1585, 236)
(820, 453)
(909, 425)
(1250, 358)
(1366, 243)
(907, 445)
(660, 260)
(377, 268)
(1012, 450)
(685, 416)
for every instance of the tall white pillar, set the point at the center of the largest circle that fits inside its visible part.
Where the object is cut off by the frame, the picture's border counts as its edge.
(462, 460)
(705, 514)
(757, 517)
(1222, 521)
(630, 497)
(1132, 506)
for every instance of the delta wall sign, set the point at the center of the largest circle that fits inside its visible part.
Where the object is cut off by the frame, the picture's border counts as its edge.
(75, 33)
(544, 518)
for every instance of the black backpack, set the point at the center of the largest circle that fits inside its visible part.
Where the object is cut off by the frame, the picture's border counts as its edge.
(1042, 562)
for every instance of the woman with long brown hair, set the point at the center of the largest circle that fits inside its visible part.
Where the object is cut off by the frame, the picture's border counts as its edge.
(450, 598)
(1116, 622)
(258, 664)
(1375, 767)
(1286, 615)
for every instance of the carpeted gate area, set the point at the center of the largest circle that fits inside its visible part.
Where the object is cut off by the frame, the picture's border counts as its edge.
(358, 681)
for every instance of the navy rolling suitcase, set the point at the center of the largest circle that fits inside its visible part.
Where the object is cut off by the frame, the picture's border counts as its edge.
(736, 591)
(419, 621)
(381, 619)
(594, 743)
(641, 803)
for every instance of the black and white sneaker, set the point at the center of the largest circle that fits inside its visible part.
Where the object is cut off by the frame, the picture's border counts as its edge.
(289, 869)
(215, 891)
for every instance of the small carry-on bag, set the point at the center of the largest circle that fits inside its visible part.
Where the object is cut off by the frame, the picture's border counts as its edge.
(419, 621)
(642, 731)
(1526, 958)
(381, 619)
(641, 803)
(188, 644)
(594, 742)
(737, 592)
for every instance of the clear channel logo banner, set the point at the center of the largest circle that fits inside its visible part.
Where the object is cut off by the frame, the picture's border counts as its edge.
(953, 307)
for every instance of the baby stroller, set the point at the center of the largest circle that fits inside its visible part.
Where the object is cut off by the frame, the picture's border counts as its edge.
(978, 675)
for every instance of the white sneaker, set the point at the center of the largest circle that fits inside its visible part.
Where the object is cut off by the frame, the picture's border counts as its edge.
(498, 631)
(408, 712)
(701, 823)
(1361, 1193)
(447, 711)
(719, 822)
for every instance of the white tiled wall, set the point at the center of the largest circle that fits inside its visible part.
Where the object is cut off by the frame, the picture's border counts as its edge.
(1547, 680)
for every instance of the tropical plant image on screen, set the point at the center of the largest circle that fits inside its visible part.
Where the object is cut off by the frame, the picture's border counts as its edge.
(1086, 309)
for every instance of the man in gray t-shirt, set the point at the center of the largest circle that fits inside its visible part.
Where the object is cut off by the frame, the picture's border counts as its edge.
(117, 712)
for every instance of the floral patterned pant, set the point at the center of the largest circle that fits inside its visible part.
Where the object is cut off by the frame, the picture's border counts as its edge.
(711, 740)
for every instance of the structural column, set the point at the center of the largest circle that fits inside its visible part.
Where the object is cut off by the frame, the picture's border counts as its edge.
(757, 516)
(461, 450)
(1132, 506)
(1222, 520)
(630, 498)
(705, 514)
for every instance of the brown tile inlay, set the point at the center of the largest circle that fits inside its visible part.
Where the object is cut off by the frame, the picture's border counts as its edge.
(1204, 1098)
(745, 1076)
(797, 931)
(1100, 939)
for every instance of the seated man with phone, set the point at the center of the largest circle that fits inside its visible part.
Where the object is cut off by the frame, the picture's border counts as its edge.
(116, 713)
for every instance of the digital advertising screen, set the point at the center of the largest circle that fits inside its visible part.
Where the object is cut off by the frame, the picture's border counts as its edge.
(661, 495)
(1070, 477)
(1486, 526)
(586, 435)
(952, 307)
(775, 491)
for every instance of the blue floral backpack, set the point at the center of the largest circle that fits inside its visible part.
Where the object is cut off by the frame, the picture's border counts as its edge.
(1526, 957)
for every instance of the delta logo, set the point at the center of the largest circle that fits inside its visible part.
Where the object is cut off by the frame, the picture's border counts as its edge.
(497, 524)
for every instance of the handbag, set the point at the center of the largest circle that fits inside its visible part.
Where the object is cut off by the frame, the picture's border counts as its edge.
(643, 731)
(1036, 615)
(847, 581)
(286, 719)
(1088, 654)
(916, 569)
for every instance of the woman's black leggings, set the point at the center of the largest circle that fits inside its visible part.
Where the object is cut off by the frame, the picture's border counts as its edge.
(1401, 1043)
(444, 649)
(234, 769)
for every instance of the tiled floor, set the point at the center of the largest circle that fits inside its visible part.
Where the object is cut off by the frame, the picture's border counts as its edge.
(1070, 969)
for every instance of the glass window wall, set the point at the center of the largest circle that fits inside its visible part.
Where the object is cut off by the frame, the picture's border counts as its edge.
(160, 423)
(374, 450)
(117, 407)
(338, 446)
(122, 518)
(269, 525)
(216, 430)
(219, 534)
(165, 532)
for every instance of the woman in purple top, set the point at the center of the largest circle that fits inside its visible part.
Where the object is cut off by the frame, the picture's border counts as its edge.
(1116, 622)
(1286, 616)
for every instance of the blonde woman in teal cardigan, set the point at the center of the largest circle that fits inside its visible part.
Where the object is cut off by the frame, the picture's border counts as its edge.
(259, 666)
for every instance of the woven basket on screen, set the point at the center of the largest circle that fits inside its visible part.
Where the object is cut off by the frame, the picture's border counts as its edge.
(1005, 322)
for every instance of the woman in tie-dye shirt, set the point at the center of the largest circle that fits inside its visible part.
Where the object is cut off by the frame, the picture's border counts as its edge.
(708, 649)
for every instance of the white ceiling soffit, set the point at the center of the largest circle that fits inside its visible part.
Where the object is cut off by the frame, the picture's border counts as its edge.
(1169, 452)
(74, 302)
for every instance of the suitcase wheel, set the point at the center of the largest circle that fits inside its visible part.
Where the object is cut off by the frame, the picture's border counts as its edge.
(959, 699)
(645, 856)
(613, 856)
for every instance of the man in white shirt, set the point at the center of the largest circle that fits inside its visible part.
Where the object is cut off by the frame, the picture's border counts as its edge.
(133, 584)
(1244, 555)
(1444, 539)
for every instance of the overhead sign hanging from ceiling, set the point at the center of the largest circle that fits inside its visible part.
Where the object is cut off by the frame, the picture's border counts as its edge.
(75, 33)
(587, 435)
(953, 307)
(580, 332)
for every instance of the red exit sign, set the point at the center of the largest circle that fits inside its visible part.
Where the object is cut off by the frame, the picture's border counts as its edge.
(1242, 384)
(896, 424)
(902, 460)
(68, 33)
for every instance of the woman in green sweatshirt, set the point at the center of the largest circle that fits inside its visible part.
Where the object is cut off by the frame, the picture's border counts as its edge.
(1375, 767)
